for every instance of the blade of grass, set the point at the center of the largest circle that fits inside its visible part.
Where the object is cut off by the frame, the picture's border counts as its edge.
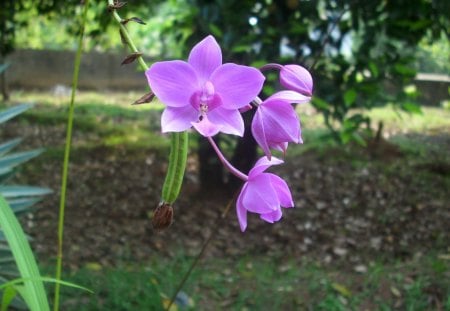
(33, 292)
(62, 203)
(43, 279)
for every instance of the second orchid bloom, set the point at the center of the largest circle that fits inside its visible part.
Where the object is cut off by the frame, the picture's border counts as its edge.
(208, 95)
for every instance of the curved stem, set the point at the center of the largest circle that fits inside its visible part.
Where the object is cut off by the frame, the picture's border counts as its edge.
(127, 36)
(225, 162)
(62, 203)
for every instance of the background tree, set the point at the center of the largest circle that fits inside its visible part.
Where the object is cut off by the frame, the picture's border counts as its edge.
(359, 51)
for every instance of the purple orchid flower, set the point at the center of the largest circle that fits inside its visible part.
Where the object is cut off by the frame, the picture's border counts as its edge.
(296, 78)
(263, 193)
(203, 92)
(276, 123)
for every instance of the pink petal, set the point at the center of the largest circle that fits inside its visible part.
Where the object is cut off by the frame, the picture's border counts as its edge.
(206, 128)
(261, 165)
(240, 209)
(178, 119)
(290, 97)
(281, 123)
(205, 57)
(296, 78)
(259, 133)
(272, 216)
(279, 146)
(282, 189)
(237, 85)
(230, 121)
(260, 197)
(173, 82)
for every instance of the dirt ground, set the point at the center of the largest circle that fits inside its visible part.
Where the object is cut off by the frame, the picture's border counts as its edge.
(376, 203)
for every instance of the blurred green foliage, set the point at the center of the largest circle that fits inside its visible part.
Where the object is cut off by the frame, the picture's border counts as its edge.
(361, 52)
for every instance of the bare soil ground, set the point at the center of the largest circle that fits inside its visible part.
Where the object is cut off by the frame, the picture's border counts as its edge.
(352, 207)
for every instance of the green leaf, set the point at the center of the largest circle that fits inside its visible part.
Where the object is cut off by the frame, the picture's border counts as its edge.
(320, 103)
(349, 97)
(5, 170)
(15, 159)
(10, 113)
(359, 140)
(216, 31)
(404, 70)
(373, 69)
(8, 295)
(17, 281)
(9, 145)
(33, 290)
(18, 191)
(411, 107)
(3, 67)
(21, 205)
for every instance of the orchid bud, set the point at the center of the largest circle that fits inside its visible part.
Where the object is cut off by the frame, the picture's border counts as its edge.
(162, 216)
(296, 78)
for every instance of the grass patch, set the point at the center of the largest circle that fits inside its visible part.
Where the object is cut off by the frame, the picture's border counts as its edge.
(254, 283)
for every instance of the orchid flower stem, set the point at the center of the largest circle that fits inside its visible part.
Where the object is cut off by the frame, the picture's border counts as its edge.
(127, 36)
(202, 251)
(62, 203)
(225, 162)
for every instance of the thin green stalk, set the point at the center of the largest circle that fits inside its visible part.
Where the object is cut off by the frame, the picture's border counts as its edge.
(179, 141)
(127, 36)
(62, 203)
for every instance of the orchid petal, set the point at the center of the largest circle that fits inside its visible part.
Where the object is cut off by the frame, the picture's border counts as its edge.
(259, 133)
(261, 165)
(205, 57)
(296, 78)
(178, 119)
(231, 121)
(259, 196)
(237, 85)
(206, 128)
(282, 189)
(173, 82)
(279, 146)
(290, 97)
(240, 209)
(280, 121)
(272, 216)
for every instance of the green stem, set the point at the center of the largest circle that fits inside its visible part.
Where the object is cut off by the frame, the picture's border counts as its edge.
(127, 36)
(179, 141)
(62, 203)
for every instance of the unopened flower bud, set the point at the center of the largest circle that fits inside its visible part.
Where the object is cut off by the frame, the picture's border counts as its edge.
(162, 216)
(296, 78)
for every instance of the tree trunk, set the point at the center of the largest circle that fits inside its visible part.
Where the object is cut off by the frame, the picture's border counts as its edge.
(211, 170)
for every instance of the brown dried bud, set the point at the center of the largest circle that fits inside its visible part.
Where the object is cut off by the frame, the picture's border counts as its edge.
(133, 19)
(147, 98)
(162, 216)
(116, 5)
(131, 58)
